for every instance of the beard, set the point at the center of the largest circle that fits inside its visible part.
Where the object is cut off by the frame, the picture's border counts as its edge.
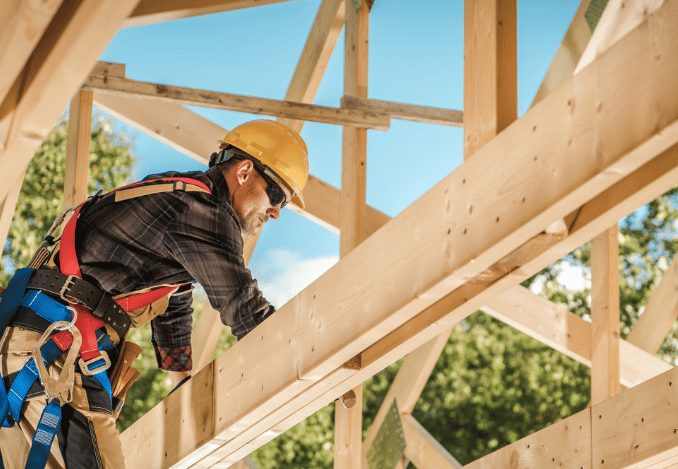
(249, 210)
(251, 221)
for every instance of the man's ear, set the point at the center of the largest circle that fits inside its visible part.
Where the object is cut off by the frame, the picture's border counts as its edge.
(243, 170)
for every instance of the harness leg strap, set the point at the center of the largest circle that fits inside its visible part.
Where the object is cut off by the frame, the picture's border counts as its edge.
(44, 436)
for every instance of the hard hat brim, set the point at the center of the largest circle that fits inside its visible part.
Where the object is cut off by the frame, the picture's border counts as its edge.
(298, 200)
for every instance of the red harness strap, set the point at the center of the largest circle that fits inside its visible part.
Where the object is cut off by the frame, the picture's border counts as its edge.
(195, 182)
(87, 323)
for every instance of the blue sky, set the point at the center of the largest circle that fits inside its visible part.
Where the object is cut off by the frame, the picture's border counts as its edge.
(416, 56)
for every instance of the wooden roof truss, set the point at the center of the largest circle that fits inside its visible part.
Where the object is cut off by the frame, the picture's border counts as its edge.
(599, 141)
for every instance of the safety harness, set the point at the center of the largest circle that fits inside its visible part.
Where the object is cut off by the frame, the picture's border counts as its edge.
(75, 325)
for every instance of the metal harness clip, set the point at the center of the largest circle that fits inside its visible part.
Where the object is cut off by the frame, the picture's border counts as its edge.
(62, 388)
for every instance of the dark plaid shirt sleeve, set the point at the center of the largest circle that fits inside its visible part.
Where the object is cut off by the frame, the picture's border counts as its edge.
(205, 239)
(171, 334)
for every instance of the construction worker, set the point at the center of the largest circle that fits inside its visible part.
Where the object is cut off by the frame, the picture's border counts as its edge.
(133, 259)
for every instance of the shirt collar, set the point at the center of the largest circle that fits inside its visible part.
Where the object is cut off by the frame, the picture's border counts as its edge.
(219, 185)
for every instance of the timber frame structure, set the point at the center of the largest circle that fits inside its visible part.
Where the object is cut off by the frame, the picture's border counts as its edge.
(600, 140)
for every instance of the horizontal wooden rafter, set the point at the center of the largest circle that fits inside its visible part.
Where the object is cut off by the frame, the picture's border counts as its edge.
(429, 256)
(156, 11)
(239, 103)
(410, 112)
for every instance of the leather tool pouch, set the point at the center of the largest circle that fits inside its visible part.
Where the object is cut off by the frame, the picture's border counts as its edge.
(124, 375)
(145, 314)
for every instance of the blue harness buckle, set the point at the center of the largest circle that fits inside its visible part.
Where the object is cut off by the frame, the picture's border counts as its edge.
(101, 363)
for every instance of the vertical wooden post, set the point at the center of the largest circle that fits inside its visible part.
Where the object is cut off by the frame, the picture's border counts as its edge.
(77, 149)
(604, 316)
(348, 422)
(8, 207)
(490, 70)
(354, 143)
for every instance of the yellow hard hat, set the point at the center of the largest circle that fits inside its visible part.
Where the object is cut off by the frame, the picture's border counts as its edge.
(276, 146)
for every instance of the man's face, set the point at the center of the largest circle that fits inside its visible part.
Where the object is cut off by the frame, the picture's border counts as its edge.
(252, 204)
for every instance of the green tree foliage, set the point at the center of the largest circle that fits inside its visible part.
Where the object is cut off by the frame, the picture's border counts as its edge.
(41, 197)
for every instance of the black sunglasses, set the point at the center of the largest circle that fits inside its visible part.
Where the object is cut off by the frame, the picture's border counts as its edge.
(276, 196)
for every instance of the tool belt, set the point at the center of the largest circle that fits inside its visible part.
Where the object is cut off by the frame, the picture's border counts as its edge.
(73, 289)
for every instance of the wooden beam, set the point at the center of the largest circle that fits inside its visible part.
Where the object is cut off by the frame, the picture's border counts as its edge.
(566, 57)
(566, 332)
(315, 56)
(637, 428)
(65, 54)
(490, 70)
(234, 102)
(543, 320)
(354, 143)
(7, 209)
(605, 315)
(287, 415)
(110, 69)
(618, 19)
(348, 422)
(422, 449)
(77, 149)
(385, 351)
(409, 112)
(339, 315)
(156, 11)
(659, 314)
(564, 444)
(21, 26)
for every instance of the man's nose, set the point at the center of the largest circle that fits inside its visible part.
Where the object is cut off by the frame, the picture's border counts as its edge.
(273, 212)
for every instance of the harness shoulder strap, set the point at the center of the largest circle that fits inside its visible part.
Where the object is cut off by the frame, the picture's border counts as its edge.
(69, 259)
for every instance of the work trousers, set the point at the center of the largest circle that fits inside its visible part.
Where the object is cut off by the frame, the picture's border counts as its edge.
(87, 437)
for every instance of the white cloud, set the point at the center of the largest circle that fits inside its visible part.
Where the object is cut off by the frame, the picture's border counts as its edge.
(283, 274)
(573, 277)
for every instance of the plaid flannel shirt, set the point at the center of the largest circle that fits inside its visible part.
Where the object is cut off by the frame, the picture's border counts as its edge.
(173, 238)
